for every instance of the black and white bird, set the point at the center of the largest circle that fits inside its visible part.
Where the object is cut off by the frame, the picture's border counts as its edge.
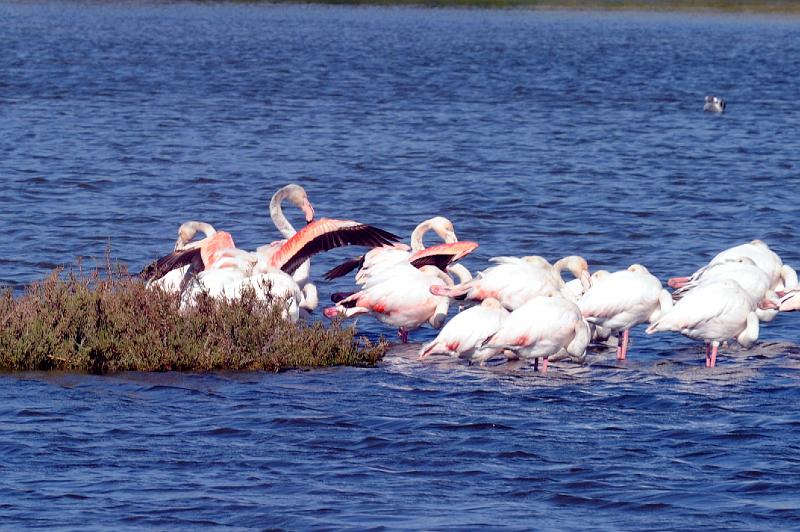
(714, 104)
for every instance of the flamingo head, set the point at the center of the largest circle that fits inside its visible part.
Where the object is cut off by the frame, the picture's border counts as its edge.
(578, 267)
(770, 301)
(444, 228)
(297, 195)
(188, 230)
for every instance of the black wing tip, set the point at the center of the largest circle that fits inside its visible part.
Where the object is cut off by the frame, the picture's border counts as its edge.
(338, 296)
(390, 238)
(440, 261)
(344, 268)
(163, 265)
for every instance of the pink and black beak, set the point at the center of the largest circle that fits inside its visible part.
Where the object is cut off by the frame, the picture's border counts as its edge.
(308, 210)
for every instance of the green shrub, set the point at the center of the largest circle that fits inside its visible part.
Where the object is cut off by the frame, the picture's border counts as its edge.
(112, 322)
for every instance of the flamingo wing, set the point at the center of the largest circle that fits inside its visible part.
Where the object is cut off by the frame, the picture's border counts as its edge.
(442, 255)
(326, 234)
(344, 268)
(177, 259)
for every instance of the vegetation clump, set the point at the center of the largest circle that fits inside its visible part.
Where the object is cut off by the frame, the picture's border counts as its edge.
(112, 322)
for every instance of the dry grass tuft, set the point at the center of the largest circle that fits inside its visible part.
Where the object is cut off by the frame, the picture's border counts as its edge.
(106, 323)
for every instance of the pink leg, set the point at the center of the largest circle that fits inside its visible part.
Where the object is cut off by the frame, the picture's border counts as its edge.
(622, 346)
(711, 355)
(402, 332)
(543, 369)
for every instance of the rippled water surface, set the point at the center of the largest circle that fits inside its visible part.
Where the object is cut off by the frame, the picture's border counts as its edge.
(535, 132)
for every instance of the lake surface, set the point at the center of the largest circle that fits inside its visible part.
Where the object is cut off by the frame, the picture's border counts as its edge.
(536, 132)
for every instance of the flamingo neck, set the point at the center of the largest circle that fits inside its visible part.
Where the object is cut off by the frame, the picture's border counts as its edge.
(276, 210)
(439, 226)
(419, 232)
(278, 218)
(461, 272)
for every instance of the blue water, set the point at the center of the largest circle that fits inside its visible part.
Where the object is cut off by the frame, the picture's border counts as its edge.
(535, 132)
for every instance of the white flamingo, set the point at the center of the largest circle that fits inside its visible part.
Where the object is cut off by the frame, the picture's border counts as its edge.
(744, 271)
(543, 326)
(513, 280)
(175, 280)
(464, 335)
(402, 300)
(295, 194)
(714, 312)
(618, 301)
(782, 277)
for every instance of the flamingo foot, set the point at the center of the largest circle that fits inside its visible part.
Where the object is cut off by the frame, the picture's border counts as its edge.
(439, 290)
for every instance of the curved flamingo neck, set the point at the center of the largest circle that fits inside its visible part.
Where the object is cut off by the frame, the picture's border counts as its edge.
(276, 213)
(434, 224)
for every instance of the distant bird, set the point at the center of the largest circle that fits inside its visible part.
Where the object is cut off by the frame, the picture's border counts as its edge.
(714, 104)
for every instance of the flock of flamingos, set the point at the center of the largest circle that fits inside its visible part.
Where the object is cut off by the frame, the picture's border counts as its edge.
(520, 307)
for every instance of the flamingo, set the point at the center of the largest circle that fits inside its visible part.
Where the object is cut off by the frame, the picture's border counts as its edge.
(744, 271)
(402, 300)
(223, 267)
(175, 280)
(296, 194)
(378, 261)
(543, 326)
(464, 335)
(318, 236)
(714, 312)
(514, 280)
(270, 284)
(618, 301)
(782, 277)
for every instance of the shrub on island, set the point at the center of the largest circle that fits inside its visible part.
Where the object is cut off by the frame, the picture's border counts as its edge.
(108, 321)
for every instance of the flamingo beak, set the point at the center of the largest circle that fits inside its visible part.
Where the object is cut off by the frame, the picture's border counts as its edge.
(586, 280)
(308, 210)
(767, 304)
(178, 245)
(450, 237)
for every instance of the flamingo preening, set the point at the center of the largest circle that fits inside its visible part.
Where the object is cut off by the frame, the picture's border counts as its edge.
(402, 299)
(543, 326)
(513, 280)
(466, 333)
(714, 312)
(618, 301)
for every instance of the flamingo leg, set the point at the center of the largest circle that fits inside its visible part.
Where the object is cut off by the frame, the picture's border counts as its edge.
(402, 332)
(544, 364)
(711, 354)
(622, 345)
